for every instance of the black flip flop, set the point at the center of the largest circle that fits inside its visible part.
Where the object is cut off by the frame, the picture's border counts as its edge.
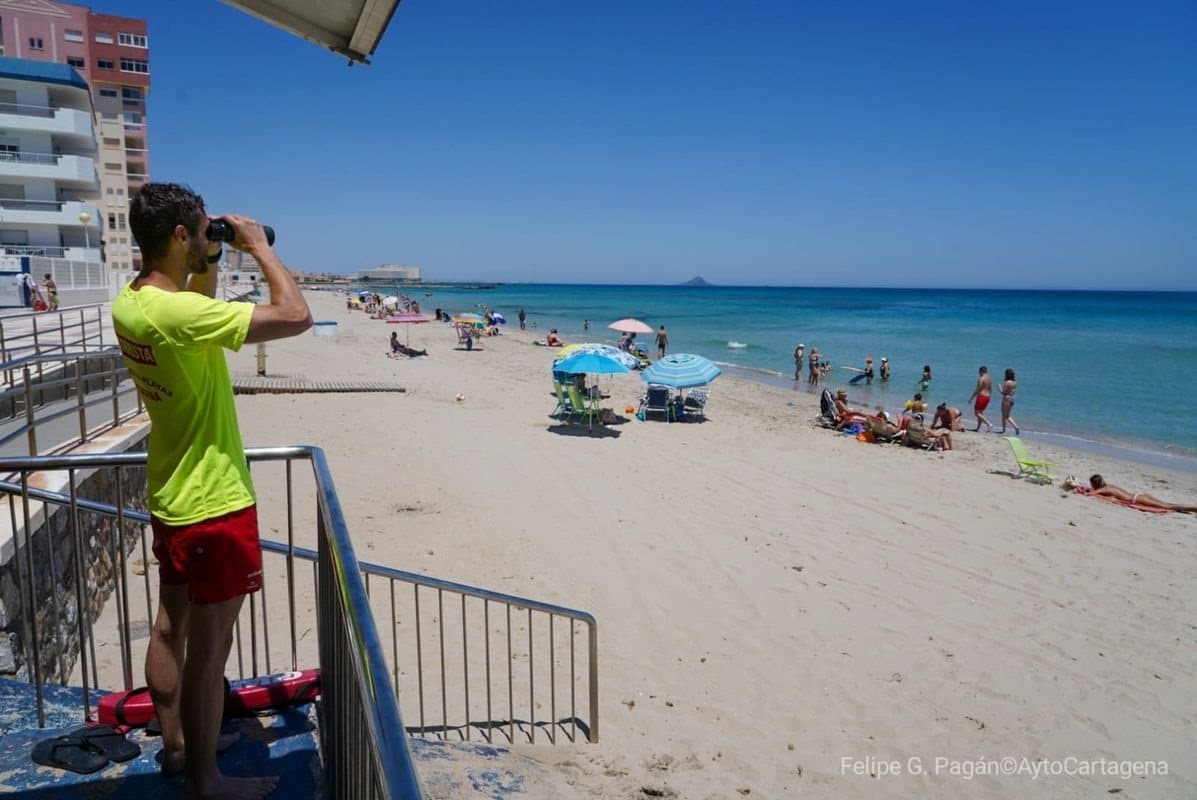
(71, 753)
(114, 745)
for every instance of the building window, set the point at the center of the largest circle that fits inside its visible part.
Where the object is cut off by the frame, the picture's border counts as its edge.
(105, 63)
(77, 63)
(112, 167)
(111, 221)
(132, 39)
(72, 35)
(132, 118)
(131, 93)
(35, 43)
(120, 223)
(111, 141)
(106, 92)
(104, 38)
(135, 65)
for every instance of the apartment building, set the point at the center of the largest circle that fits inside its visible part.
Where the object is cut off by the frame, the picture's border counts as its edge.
(49, 187)
(112, 54)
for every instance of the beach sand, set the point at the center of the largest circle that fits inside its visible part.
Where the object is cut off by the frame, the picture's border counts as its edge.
(773, 598)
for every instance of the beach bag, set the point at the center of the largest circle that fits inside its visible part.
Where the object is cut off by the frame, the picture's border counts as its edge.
(866, 436)
(39, 305)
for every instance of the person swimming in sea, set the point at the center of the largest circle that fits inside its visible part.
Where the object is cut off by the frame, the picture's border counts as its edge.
(925, 381)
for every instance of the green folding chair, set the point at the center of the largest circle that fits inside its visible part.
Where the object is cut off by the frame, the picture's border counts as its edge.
(1034, 469)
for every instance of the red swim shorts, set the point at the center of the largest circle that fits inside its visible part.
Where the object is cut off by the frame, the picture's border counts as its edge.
(218, 558)
(981, 403)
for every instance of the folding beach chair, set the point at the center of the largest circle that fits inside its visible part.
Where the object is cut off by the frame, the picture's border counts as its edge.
(565, 408)
(695, 404)
(657, 400)
(1034, 469)
(582, 407)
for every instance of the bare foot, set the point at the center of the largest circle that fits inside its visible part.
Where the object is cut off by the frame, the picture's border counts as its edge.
(226, 788)
(173, 761)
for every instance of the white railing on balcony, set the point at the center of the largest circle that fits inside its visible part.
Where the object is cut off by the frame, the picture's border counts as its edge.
(66, 121)
(27, 110)
(7, 157)
(46, 212)
(48, 165)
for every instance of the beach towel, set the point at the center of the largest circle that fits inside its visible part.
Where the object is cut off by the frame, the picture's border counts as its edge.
(1087, 492)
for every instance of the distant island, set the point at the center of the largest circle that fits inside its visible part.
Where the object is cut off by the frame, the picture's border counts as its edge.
(697, 280)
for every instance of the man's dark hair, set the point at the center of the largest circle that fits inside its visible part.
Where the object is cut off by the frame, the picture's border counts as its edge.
(1096, 481)
(156, 210)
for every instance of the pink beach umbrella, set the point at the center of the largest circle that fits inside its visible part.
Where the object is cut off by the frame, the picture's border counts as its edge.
(407, 319)
(630, 325)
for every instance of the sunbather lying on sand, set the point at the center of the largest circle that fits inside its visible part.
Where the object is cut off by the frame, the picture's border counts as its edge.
(1099, 488)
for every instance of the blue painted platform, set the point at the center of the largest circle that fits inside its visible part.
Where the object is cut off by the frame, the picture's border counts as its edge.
(283, 744)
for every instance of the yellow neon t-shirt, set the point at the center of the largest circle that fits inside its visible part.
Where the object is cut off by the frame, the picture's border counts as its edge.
(173, 345)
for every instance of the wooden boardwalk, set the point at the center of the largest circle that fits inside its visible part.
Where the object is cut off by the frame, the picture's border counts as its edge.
(284, 385)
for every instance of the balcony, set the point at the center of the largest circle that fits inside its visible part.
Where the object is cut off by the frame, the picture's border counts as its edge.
(75, 171)
(46, 212)
(71, 122)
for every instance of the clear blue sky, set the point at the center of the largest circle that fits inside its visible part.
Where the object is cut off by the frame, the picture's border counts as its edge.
(1004, 145)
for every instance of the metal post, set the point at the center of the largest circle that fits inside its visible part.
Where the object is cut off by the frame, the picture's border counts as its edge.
(262, 359)
(80, 398)
(30, 427)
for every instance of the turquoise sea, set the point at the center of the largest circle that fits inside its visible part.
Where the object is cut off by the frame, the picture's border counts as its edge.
(1096, 370)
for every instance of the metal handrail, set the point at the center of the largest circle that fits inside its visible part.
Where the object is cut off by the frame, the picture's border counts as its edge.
(40, 338)
(363, 739)
(86, 396)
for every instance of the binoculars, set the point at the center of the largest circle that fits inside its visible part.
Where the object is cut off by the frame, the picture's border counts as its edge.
(221, 231)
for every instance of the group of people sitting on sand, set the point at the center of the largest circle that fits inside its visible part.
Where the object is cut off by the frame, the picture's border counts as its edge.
(910, 429)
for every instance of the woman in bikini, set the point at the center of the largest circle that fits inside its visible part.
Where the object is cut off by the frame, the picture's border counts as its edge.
(1008, 387)
(1099, 488)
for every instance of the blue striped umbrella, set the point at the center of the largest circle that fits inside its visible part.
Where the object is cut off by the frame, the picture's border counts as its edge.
(681, 371)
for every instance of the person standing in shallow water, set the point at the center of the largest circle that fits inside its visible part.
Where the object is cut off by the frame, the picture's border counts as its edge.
(203, 508)
(523, 316)
(799, 361)
(982, 392)
(1009, 385)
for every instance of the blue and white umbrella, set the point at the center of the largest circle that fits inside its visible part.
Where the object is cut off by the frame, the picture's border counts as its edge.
(590, 363)
(681, 371)
(610, 351)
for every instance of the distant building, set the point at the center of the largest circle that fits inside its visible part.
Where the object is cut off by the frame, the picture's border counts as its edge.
(390, 273)
(49, 189)
(112, 54)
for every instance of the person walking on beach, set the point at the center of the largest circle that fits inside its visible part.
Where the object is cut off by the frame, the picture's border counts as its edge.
(812, 376)
(662, 341)
(1009, 385)
(51, 292)
(203, 513)
(523, 316)
(798, 361)
(981, 395)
